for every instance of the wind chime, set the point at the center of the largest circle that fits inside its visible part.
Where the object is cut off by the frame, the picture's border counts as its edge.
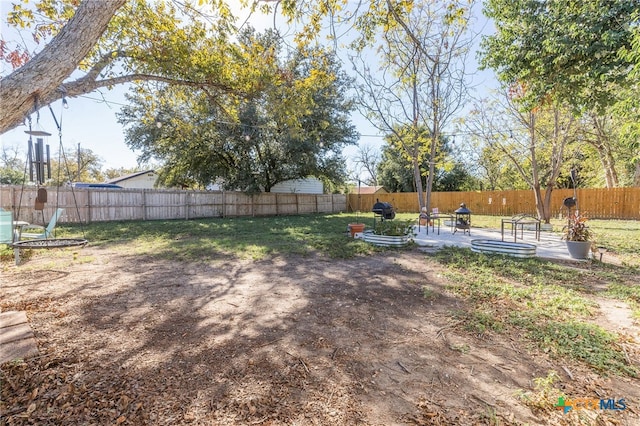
(39, 161)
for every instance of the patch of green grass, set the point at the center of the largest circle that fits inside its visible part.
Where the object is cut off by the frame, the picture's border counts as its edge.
(428, 293)
(251, 237)
(483, 320)
(545, 395)
(461, 347)
(530, 295)
(583, 341)
(625, 291)
(532, 271)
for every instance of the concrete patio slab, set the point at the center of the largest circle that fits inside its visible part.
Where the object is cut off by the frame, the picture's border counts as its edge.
(550, 245)
(16, 337)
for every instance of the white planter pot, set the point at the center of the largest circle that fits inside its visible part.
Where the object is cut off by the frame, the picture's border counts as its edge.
(579, 249)
(386, 240)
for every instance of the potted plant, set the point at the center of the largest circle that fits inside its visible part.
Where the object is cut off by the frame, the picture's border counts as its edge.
(355, 228)
(578, 236)
(391, 233)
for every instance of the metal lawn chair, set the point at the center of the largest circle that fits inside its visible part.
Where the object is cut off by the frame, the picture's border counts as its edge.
(40, 232)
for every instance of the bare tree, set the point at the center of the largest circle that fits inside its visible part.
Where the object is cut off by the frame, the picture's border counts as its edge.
(367, 158)
(597, 130)
(533, 141)
(12, 165)
(421, 81)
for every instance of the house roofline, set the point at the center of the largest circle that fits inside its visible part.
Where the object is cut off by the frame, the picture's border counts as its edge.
(132, 175)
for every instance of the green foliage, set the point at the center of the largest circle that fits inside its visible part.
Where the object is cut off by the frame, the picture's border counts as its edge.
(545, 395)
(12, 167)
(505, 156)
(394, 228)
(11, 176)
(576, 228)
(530, 295)
(585, 342)
(256, 238)
(64, 167)
(294, 123)
(395, 171)
(422, 48)
(562, 49)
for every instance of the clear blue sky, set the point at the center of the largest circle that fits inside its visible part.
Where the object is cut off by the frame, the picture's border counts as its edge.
(91, 119)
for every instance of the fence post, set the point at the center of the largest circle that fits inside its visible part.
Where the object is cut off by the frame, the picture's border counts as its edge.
(144, 204)
(186, 205)
(88, 207)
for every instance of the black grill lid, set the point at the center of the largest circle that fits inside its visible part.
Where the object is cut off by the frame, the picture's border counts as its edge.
(383, 209)
(569, 202)
(381, 206)
(463, 209)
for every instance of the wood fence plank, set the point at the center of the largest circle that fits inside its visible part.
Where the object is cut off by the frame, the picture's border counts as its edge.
(597, 203)
(101, 205)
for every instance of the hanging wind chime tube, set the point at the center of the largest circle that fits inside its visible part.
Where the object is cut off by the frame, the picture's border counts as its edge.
(41, 162)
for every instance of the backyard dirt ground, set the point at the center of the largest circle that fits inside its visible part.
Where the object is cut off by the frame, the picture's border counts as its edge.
(293, 340)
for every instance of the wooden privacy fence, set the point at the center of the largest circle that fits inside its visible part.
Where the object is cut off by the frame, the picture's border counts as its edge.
(596, 203)
(102, 205)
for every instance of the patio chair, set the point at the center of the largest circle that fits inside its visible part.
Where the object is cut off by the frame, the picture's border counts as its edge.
(40, 232)
(7, 231)
(6, 227)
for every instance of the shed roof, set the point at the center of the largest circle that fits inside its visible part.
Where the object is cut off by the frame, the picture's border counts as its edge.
(370, 190)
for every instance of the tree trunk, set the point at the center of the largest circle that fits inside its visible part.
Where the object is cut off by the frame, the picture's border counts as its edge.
(432, 171)
(602, 144)
(417, 178)
(535, 178)
(608, 163)
(546, 206)
(540, 207)
(636, 175)
(42, 75)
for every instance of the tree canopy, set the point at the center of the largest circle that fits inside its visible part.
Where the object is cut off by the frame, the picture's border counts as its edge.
(294, 125)
(581, 54)
(110, 42)
(395, 170)
(561, 49)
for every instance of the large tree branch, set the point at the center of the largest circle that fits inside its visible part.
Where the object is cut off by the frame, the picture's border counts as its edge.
(44, 74)
(82, 86)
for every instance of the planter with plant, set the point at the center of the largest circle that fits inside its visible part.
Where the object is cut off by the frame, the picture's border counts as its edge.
(391, 233)
(578, 236)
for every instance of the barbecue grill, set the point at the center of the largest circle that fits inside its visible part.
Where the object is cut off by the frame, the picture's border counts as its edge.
(463, 219)
(383, 211)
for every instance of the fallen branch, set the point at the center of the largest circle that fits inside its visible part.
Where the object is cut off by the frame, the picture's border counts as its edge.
(482, 400)
(441, 330)
(626, 355)
(304, 365)
(566, 370)
(403, 367)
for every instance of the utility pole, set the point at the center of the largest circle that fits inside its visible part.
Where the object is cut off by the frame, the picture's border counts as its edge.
(78, 179)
